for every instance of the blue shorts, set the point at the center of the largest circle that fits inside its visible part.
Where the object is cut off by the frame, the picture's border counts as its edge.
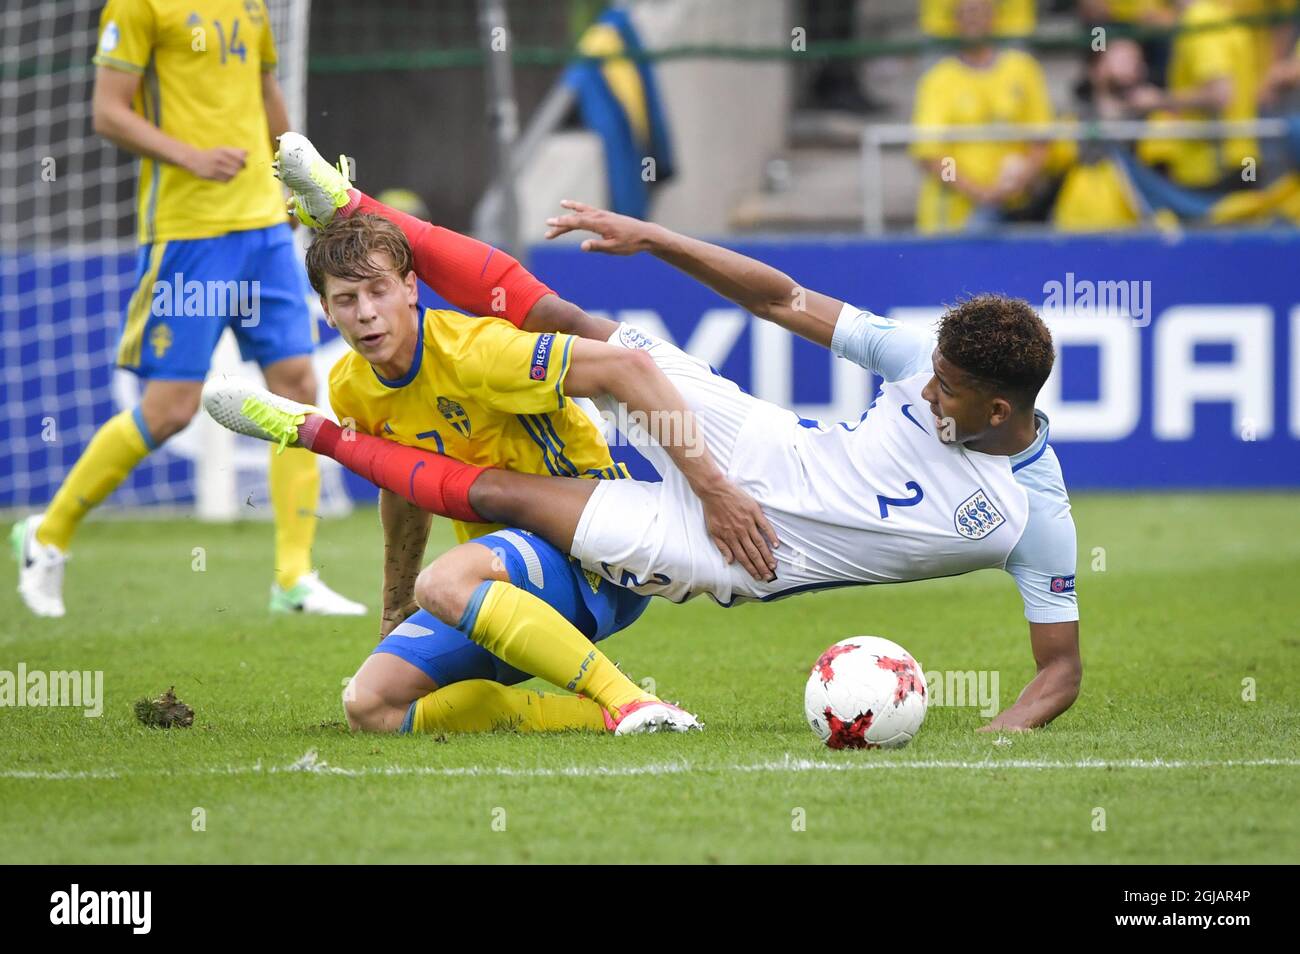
(594, 605)
(188, 291)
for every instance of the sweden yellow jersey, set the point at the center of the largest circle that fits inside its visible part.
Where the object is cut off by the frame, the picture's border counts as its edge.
(201, 64)
(1010, 17)
(1262, 33)
(1137, 11)
(952, 93)
(481, 391)
(1196, 58)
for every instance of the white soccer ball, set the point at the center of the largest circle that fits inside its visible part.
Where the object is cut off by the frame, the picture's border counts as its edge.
(866, 693)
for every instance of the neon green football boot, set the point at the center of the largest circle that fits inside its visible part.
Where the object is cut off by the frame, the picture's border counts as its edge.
(247, 408)
(319, 189)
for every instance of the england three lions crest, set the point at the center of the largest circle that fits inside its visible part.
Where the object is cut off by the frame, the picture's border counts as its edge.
(976, 517)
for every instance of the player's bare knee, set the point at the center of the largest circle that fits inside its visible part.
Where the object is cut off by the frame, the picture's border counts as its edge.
(446, 592)
(446, 586)
(365, 708)
(302, 389)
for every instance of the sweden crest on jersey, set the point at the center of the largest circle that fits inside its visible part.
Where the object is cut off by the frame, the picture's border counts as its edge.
(455, 415)
(976, 517)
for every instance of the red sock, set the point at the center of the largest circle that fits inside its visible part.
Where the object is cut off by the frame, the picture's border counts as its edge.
(473, 276)
(432, 482)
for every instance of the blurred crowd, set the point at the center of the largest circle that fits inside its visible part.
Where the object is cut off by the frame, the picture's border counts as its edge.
(1213, 67)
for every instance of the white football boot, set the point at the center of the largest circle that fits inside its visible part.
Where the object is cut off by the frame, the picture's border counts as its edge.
(318, 188)
(40, 568)
(311, 595)
(654, 715)
(245, 407)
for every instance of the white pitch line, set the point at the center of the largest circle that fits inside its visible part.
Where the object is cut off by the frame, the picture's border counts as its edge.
(311, 764)
(789, 764)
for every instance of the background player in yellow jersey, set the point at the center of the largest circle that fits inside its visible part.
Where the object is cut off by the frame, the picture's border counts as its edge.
(191, 89)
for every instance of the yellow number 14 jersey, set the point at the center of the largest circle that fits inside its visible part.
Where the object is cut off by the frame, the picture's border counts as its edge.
(481, 391)
(201, 68)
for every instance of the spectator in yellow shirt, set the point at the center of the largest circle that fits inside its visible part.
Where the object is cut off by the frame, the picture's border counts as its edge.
(1154, 14)
(1211, 76)
(979, 85)
(1144, 12)
(1272, 40)
(1095, 194)
(1011, 18)
(1283, 76)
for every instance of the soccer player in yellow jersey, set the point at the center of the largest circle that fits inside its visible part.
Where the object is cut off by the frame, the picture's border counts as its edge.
(978, 85)
(488, 392)
(190, 88)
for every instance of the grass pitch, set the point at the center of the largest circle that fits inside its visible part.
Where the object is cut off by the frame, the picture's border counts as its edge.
(1188, 602)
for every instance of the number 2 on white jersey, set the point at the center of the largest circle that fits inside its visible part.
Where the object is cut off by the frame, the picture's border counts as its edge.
(886, 502)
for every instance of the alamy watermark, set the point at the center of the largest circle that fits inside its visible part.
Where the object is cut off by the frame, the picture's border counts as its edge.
(962, 688)
(629, 428)
(75, 689)
(178, 298)
(1083, 297)
(128, 908)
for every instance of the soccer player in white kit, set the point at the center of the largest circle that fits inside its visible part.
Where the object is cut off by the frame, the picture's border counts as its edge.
(948, 471)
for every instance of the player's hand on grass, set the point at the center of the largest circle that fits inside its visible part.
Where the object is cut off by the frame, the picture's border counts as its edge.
(619, 234)
(739, 528)
(1005, 723)
(220, 164)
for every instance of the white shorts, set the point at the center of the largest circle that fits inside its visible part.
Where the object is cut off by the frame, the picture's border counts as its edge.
(651, 537)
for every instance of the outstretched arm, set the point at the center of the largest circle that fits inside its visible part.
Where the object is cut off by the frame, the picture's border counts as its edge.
(760, 289)
(277, 112)
(1054, 688)
(482, 280)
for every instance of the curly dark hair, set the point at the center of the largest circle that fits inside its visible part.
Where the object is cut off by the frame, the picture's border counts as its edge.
(999, 341)
(343, 249)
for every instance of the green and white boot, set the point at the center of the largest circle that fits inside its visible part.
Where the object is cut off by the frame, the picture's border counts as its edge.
(40, 568)
(319, 189)
(311, 595)
(244, 407)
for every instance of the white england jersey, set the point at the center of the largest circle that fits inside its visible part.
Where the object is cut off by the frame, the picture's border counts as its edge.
(879, 500)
